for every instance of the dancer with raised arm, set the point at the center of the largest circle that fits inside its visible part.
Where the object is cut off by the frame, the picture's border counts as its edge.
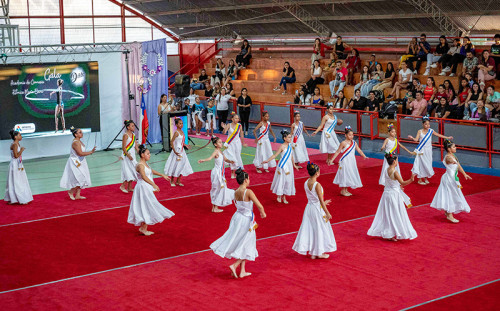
(233, 143)
(390, 146)
(59, 109)
(239, 241)
(298, 143)
(348, 174)
(264, 149)
(129, 147)
(391, 220)
(315, 234)
(220, 195)
(449, 197)
(283, 181)
(422, 166)
(17, 188)
(76, 174)
(145, 210)
(329, 142)
(177, 163)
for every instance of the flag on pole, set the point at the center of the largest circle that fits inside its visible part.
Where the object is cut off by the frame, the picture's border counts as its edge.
(144, 121)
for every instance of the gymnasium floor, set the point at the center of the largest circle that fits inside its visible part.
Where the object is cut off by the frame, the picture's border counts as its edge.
(57, 254)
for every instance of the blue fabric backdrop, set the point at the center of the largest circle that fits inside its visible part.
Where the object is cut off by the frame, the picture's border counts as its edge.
(158, 87)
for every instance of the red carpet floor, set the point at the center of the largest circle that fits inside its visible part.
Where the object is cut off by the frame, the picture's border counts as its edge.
(364, 274)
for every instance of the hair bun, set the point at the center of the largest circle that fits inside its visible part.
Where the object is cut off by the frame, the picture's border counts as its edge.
(241, 175)
(284, 133)
(214, 140)
(312, 168)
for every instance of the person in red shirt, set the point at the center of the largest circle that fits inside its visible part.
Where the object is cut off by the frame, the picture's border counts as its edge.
(353, 63)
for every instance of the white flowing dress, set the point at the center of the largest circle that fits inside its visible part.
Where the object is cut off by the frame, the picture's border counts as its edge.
(144, 207)
(283, 181)
(391, 219)
(388, 147)
(329, 142)
(76, 173)
(128, 166)
(220, 195)
(347, 174)
(239, 241)
(178, 165)
(299, 144)
(315, 234)
(233, 151)
(264, 150)
(17, 189)
(449, 196)
(422, 166)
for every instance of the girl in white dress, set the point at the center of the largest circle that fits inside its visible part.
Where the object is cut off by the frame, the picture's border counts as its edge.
(390, 146)
(239, 241)
(17, 189)
(129, 147)
(449, 197)
(298, 143)
(177, 163)
(220, 195)
(76, 174)
(145, 210)
(347, 174)
(391, 220)
(264, 149)
(315, 234)
(233, 143)
(329, 142)
(283, 181)
(422, 166)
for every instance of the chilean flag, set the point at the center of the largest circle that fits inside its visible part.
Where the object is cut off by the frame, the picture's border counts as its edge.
(144, 121)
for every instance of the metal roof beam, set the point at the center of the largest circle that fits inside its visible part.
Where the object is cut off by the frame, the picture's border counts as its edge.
(438, 16)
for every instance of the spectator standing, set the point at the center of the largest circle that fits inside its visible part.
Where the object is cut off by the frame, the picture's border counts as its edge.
(405, 77)
(245, 106)
(432, 58)
(357, 102)
(243, 59)
(288, 77)
(339, 49)
(316, 77)
(222, 103)
(486, 68)
(451, 59)
(388, 78)
(353, 63)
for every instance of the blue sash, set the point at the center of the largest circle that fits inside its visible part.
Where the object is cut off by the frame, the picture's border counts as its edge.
(285, 157)
(424, 140)
(332, 126)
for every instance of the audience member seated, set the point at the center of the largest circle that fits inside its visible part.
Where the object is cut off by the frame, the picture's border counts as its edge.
(230, 89)
(405, 77)
(432, 58)
(317, 98)
(220, 72)
(340, 77)
(387, 80)
(410, 96)
(199, 84)
(318, 51)
(372, 103)
(470, 65)
(467, 46)
(495, 112)
(339, 49)
(357, 102)
(316, 77)
(353, 62)
(232, 73)
(243, 59)
(418, 106)
(341, 101)
(372, 63)
(451, 59)
(470, 79)
(475, 94)
(217, 89)
(480, 113)
(443, 110)
(423, 49)
(375, 78)
(430, 91)
(302, 97)
(209, 89)
(411, 51)
(486, 68)
(288, 77)
(495, 53)
(463, 93)
(363, 78)
(491, 96)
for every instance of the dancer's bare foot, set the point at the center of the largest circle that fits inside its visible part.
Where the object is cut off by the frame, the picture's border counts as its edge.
(233, 271)
(267, 171)
(421, 182)
(179, 184)
(245, 274)
(215, 209)
(345, 193)
(130, 189)
(233, 176)
(71, 195)
(393, 239)
(313, 257)
(172, 184)
(278, 199)
(452, 219)
(299, 167)
(427, 182)
(79, 197)
(324, 256)
(259, 171)
(285, 201)
(123, 189)
(145, 232)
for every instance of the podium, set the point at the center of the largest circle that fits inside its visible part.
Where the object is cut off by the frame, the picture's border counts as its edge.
(168, 127)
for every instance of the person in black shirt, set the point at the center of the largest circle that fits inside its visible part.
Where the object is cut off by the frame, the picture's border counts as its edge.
(444, 110)
(357, 102)
(495, 53)
(243, 59)
(495, 112)
(209, 89)
(288, 77)
(245, 106)
(372, 104)
(198, 84)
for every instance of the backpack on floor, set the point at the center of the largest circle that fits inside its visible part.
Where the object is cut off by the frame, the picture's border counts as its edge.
(389, 110)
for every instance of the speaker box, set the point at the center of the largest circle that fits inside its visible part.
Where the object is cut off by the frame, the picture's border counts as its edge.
(182, 85)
